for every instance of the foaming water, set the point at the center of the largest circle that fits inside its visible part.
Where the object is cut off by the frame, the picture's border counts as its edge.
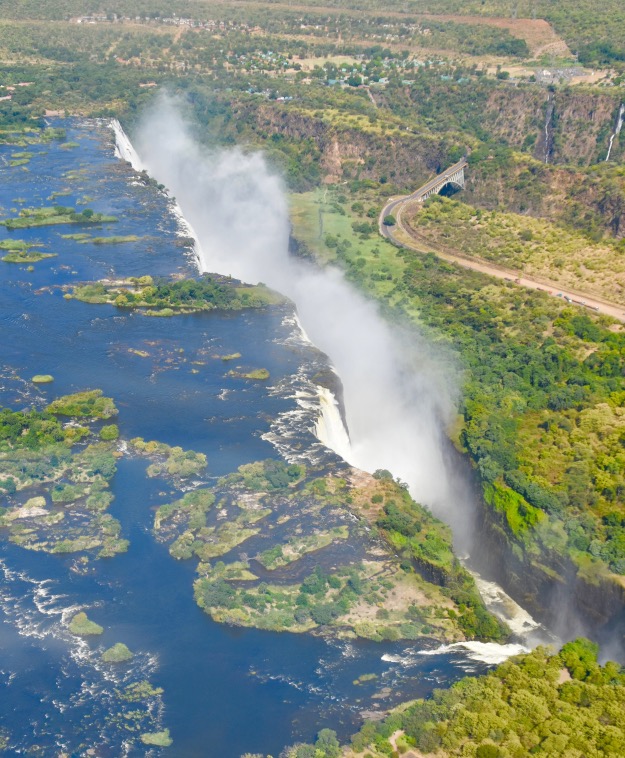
(482, 652)
(521, 623)
(467, 653)
(86, 688)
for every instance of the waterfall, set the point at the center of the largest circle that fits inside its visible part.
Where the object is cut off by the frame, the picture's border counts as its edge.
(125, 151)
(397, 391)
(548, 131)
(617, 130)
(330, 428)
(123, 147)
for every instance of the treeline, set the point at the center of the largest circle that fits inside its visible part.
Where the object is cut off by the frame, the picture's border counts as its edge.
(541, 408)
(30, 429)
(541, 704)
(543, 384)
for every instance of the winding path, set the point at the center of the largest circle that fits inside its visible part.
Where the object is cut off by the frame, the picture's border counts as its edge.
(399, 235)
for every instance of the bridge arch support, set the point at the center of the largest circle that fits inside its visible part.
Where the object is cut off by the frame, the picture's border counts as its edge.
(453, 179)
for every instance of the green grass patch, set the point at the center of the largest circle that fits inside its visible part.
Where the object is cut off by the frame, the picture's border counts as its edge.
(78, 236)
(20, 251)
(31, 256)
(114, 240)
(324, 222)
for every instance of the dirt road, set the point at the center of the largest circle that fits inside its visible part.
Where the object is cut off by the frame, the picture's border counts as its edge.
(400, 235)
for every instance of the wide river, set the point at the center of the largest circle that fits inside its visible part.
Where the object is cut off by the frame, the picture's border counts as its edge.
(225, 691)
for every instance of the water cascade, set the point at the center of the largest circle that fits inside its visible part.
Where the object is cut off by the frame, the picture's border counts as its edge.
(330, 428)
(398, 393)
(548, 130)
(124, 149)
(617, 130)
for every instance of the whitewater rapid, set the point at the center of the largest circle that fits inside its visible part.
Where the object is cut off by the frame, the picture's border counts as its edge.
(40, 612)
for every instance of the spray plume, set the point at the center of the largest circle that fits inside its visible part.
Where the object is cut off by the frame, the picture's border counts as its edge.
(397, 394)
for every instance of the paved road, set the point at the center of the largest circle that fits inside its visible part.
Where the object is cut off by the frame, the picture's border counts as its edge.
(394, 205)
(403, 237)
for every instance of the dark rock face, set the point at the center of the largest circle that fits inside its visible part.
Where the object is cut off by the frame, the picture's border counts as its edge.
(550, 587)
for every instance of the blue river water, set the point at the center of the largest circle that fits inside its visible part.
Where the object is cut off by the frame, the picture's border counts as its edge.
(225, 691)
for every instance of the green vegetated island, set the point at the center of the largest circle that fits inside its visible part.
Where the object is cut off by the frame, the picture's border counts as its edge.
(166, 298)
(56, 469)
(56, 476)
(542, 703)
(20, 251)
(269, 539)
(84, 238)
(53, 215)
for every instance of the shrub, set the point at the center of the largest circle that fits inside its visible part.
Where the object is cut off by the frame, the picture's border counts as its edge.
(109, 432)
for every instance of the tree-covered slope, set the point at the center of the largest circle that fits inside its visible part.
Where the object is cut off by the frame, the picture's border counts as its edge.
(542, 704)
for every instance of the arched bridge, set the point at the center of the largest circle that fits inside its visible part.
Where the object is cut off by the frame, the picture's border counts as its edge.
(453, 176)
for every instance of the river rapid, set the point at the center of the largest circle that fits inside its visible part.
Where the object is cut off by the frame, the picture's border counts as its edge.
(225, 691)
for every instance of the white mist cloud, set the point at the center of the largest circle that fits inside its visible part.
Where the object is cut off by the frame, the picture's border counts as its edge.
(397, 394)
